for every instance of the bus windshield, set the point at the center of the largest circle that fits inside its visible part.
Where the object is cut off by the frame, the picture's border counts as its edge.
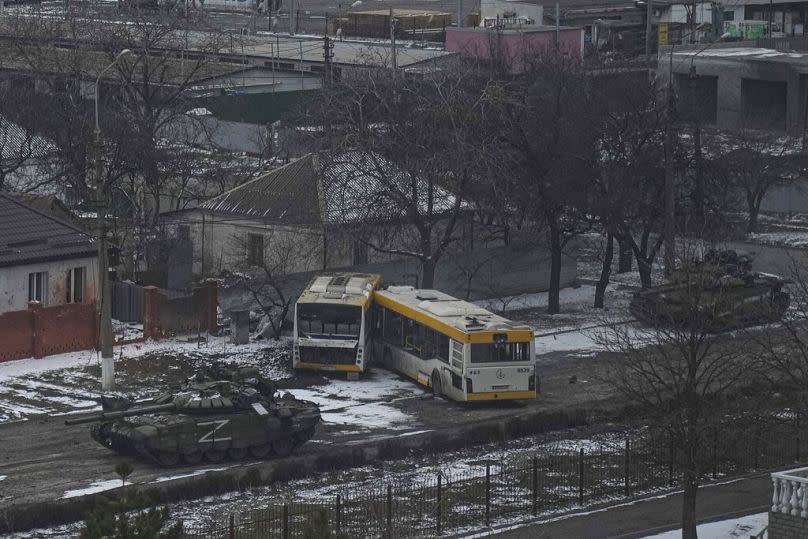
(325, 321)
(500, 352)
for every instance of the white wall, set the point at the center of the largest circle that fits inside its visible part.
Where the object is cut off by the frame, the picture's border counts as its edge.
(677, 13)
(499, 8)
(14, 282)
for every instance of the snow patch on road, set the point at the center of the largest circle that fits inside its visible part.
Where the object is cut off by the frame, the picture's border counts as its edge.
(191, 474)
(96, 486)
(365, 403)
(723, 529)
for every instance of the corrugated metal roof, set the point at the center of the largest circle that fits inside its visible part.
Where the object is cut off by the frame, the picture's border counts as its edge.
(289, 194)
(28, 235)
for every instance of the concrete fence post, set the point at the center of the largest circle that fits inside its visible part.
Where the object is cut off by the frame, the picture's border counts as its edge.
(35, 308)
(151, 321)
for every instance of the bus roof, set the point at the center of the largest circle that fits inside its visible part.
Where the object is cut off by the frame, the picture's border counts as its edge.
(341, 289)
(446, 310)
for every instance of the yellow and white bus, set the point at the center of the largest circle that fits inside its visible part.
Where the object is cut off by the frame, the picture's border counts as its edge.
(462, 351)
(332, 323)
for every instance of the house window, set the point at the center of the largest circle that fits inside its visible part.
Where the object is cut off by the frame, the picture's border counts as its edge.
(38, 287)
(75, 285)
(729, 15)
(255, 249)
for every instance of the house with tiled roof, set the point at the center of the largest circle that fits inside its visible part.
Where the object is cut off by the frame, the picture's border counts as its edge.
(43, 258)
(300, 214)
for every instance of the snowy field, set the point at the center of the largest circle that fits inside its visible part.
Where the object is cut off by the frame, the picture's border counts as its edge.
(70, 382)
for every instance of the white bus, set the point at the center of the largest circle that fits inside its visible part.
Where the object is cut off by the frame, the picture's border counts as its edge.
(462, 351)
(331, 331)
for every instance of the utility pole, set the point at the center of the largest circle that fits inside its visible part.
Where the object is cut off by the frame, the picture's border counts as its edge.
(698, 195)
(105, 325)
(328, 55)
(557, 25)
(670, 179)
(649, 12)
(394, 59)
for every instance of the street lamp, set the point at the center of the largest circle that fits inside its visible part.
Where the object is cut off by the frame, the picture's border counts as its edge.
(107, 363)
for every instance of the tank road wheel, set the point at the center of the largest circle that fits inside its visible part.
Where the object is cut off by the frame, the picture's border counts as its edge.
(168, 458)
(437, 386)
(283, 447)
(304, 436)
(214, 455)
(194, 457)
(237, 453)
(260, 451)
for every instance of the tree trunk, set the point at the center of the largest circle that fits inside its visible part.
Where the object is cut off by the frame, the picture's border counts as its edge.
(625, 258)
(691, 486)
(427, 273)
(605, 272)
(754, 211)
(553, 303)
(644, 267)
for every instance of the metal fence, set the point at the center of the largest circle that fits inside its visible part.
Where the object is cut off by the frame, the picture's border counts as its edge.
(127, 301)
(533, 483)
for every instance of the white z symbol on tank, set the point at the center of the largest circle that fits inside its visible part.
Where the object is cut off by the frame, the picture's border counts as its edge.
(210, 436)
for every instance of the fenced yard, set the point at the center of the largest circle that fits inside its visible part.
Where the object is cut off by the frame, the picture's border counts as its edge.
(531, 484)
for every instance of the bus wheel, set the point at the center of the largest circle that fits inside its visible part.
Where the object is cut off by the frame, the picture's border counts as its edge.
(437, 389)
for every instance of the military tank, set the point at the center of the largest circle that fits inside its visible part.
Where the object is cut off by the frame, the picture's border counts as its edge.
(220, 413)
(730, 295)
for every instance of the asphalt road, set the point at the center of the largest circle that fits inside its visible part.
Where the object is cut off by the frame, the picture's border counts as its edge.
(42, 458)
(719, 501)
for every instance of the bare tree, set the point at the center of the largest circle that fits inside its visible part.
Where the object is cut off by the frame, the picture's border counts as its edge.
(402, 153)
(546, 122)
(682, 375)
(267, 267)
(754, 162)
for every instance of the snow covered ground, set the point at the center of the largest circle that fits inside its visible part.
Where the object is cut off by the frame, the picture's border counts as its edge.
(70, 382)
(723, 529)
(797, 239)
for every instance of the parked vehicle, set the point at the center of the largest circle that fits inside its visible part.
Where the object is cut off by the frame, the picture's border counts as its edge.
(462, 351)
(220, 414)
(332, 323)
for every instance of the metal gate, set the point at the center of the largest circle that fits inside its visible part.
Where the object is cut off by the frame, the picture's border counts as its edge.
(127, 301)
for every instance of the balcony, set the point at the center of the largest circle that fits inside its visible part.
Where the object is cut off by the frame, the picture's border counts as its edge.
(789, 512)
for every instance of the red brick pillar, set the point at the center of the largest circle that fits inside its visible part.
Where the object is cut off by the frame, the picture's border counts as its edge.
(212, 310)
(36, 328)
(151, 322)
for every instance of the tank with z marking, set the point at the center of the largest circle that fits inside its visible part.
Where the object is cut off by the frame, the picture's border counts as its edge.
(220, 413)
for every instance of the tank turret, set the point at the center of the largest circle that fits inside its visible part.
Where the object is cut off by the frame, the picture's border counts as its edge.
(728, 294)
(233, 417)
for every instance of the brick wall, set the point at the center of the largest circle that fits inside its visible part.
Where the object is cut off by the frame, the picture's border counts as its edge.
(41, 331)
(783, 526)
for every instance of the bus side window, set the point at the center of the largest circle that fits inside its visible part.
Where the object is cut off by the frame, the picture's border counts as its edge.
(428, 350)
(392, 328)
(413, 335)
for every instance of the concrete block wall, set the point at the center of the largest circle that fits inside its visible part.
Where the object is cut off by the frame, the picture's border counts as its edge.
(783, 526)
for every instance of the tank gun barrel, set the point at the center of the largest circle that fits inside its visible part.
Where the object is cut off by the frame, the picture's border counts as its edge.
(119, 414)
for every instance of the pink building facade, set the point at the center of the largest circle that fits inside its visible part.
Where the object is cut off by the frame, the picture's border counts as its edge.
(514, 45)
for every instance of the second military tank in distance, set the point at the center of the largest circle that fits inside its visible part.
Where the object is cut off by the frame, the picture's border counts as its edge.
(729, 294)
(221, 413)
